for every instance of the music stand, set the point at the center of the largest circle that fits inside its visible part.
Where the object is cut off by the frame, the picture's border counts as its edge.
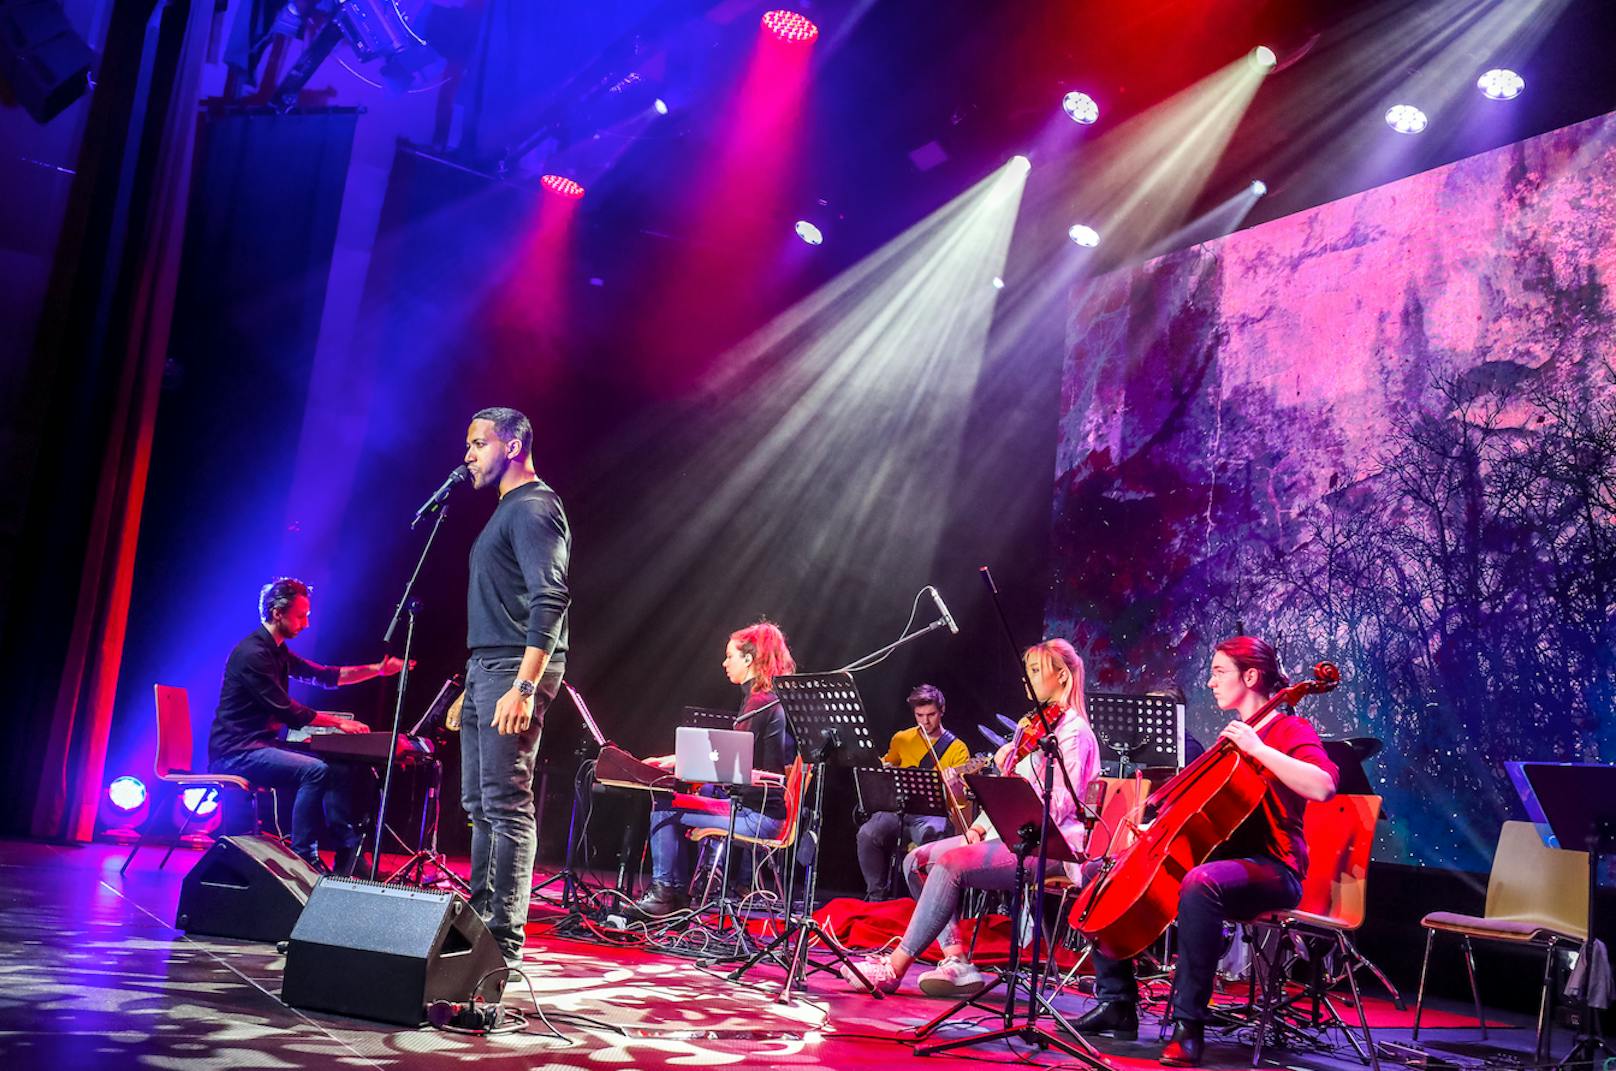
(1579, 801)
(827, 721)
(414, 869)
(706, 718)
(905, 790)
(1143, 730)
(1014, 808)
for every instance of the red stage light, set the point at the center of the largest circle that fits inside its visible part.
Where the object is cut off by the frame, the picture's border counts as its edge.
(562, 186)
(791, 27)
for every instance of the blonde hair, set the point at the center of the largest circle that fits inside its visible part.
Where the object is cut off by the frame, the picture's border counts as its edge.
(1052, 656)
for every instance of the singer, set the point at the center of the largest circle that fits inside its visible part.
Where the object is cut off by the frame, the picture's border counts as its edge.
(516, 630)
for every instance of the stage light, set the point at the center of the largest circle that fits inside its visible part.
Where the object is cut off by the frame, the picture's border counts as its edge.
(1405, 119)
(562, 186)
(1080, 107)
(127, 793)
(1263, 58)
(1501, 84)
(1258, 187)
(200, 802)
(1087, 237)
(660, 105)
(1020, 165)
(790, 27)
(809, 233)
(998, 282)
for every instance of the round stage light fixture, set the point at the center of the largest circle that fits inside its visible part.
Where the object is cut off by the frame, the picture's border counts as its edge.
(790, 27)
(1263, 58)
(1258, 187)
(660, 105)
(1020, 165)
(127, 794)
(1080, 107)
(1406, 119)
(809, 233)
(200, 802)
(562, 186)
(1501, 83)
(998, 282)
(1087, 237)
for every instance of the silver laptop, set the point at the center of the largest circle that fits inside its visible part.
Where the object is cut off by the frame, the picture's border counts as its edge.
(712, 756)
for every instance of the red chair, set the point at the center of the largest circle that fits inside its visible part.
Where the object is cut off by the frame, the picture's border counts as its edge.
(1340, 834)
(173, 763)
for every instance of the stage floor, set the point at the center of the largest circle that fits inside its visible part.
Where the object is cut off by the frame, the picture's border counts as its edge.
(93, 975)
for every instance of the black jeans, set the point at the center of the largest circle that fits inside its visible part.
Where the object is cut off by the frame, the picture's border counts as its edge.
(325, 800)
(496, 788)
(1229, 889)
(880, 838)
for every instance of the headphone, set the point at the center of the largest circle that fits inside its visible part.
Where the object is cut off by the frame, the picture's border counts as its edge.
(478, 1017)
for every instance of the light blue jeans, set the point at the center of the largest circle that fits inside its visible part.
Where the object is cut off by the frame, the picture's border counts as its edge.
(938, 873)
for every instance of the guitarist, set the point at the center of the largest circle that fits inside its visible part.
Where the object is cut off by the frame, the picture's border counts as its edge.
(937, 872)
(1258, 869)
(931, 747)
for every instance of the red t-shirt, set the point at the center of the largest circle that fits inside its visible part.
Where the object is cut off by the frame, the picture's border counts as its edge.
(1275, 827)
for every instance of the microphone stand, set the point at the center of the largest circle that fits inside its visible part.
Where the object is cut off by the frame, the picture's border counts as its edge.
(1029, 1030)
(407, 606)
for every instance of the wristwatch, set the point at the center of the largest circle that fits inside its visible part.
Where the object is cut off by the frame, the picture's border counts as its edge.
(526, 688)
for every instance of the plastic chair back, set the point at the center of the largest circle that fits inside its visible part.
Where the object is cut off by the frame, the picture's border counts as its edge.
(1530, 880)
(1121, 803)
(1340, 834)
(174, 753)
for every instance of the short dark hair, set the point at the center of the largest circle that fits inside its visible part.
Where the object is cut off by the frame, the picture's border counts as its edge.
(278, 595)
(928, 693)
(508, 424)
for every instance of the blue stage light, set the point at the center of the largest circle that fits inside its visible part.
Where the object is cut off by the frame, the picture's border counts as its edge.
(1087, 237)
(1406, 119)
(1080, 107)
(660, 105)
(809, 233)
(1258, 187)
(200, 802)
(127, 793)
(1500, 83)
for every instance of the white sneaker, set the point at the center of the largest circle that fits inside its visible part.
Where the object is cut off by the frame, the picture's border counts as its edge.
(877, 970)
(956, 976)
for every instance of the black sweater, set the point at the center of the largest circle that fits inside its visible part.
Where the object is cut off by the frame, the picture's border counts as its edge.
(253, 701)
(772, 749)
(518, 593)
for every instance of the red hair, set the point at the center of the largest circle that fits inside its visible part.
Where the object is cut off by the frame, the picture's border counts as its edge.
(765, 645)
(1248, 652)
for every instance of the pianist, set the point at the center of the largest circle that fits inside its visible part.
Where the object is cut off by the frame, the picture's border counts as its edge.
(753, 657)
(254, 705)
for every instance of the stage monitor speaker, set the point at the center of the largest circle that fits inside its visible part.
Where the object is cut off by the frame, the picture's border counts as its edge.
(384, 952)
(42, 58)
(248, 887)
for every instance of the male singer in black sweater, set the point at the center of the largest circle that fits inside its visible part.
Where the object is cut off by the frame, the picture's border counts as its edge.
(516, 629)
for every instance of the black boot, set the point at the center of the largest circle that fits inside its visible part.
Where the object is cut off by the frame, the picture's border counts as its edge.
(660, 900)
(1186, 1046)
(1111, 1019)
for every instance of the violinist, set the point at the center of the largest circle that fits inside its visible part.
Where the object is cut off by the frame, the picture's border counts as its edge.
(937, 872)
(929, 746)
(1258, 869)
(754, 656)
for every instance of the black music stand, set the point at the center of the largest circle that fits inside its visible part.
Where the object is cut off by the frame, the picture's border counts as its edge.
(568, 875)
(1012, 804)
(1143, 730)
(1579, 801)
(907, 791)
(827, 721)
(414, 869)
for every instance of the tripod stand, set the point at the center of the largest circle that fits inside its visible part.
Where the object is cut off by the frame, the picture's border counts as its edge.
(414, 870)
(571, 882)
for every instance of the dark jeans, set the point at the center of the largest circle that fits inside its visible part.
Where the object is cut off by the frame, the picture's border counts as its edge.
(878, 843)
(1230, 889)
(325, 797)
(496, 788)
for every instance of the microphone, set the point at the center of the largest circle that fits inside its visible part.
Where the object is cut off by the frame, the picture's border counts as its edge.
(441, 495)
(948, 618)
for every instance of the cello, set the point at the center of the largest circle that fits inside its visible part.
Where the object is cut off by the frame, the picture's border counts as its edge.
(1134, 897)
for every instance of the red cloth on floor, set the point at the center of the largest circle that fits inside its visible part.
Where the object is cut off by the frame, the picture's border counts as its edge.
(860, 924)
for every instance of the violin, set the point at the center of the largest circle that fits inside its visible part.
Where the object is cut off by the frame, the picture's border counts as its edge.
(1032, 734)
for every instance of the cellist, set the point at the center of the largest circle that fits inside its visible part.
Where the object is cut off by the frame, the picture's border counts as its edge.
(1258, 869)
(938, 871)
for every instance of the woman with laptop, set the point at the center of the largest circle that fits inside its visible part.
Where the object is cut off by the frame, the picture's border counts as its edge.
(939, 871)
(754, 656)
